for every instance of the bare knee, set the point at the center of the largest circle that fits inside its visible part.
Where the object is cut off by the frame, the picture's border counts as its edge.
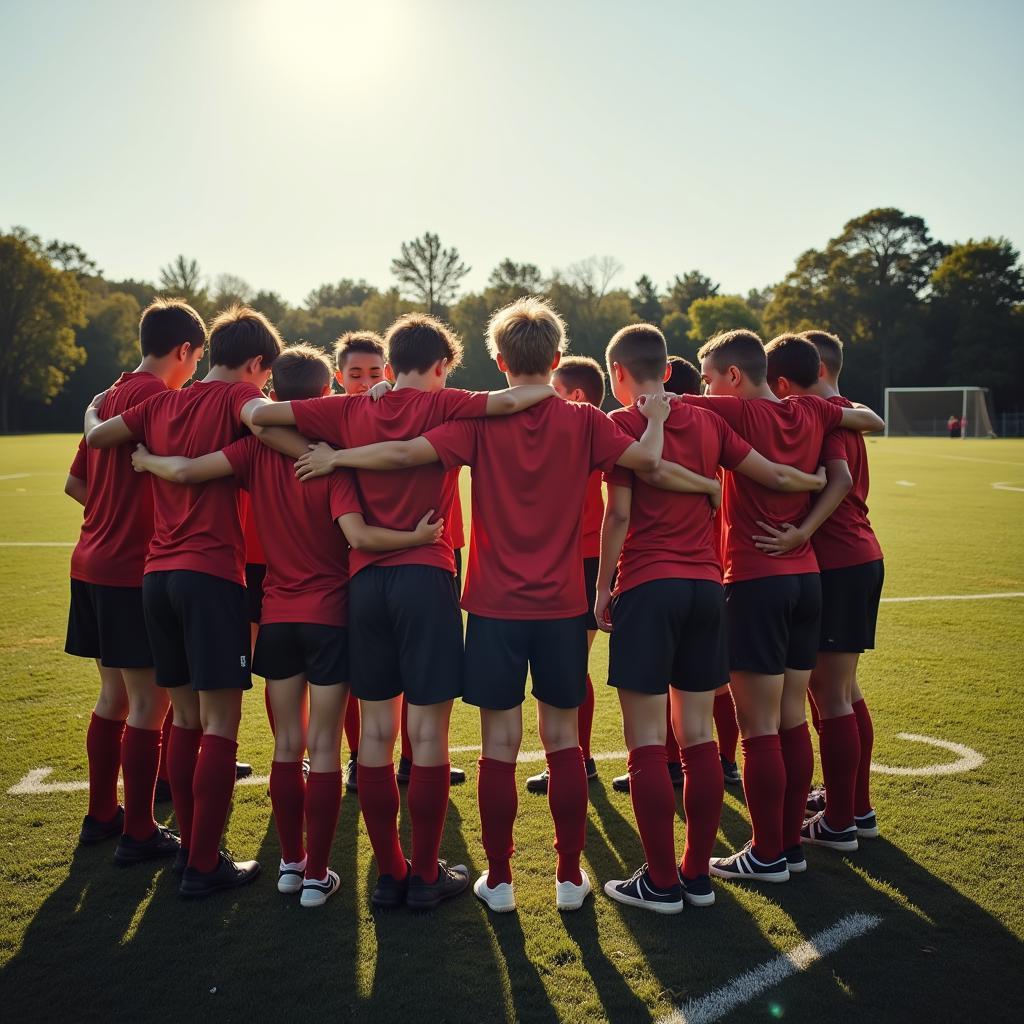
(112, 702)
(502, 734)
(558, 727)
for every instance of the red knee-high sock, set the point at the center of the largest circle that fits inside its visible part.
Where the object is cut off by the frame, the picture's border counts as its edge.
(140, 761)
(703, 793)
(352, 726)
(672, 751)
(165, 739)
(815, 714)
(270, 710)
(725, 725)
(498, 800)
(862, 796)
(798, 757)
(103, 748)
(840, 759)
(378, 801)
(567, 799)
(182, 752)
(428, 806)
(212, 786)
(288, 798)
(654, 807)
(764, 786)
(585, 718)
(323, 802)
(406, 742)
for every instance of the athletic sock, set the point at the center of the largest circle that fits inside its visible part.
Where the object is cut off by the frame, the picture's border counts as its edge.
(840, 758)
(567, 799)
(428, 805)
(182, 752)
(498, 800)
(406, 742)
(378, 801)
(654, 807)
(140, 762)
(270, 709)
(764, 786)
(352, 725)
(165, 739)
(798, 758)
(103, 748)
(862, 795)
(703, 793)
(725, 726)
(815, 714)
(585, 719)
(288, 798)
(323, 803)
(212, 787)
(672, 751)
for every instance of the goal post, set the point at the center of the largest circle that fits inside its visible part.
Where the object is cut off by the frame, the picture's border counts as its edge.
(938, 412)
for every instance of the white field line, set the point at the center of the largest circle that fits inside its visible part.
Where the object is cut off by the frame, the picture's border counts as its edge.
(750, 984)
(906, 483)
(14, 476)
(967, 759)
(961, 458)
(954, 597)
(1006, 487)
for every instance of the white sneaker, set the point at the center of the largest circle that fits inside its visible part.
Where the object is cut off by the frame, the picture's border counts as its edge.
(501, 899)
(569, 896)
(316, 894)
(289, 876)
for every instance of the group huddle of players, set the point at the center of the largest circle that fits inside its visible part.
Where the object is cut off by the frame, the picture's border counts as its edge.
(315, 540)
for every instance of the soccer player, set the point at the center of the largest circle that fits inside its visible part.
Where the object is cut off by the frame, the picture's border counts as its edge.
(193, 587)
(405, 624)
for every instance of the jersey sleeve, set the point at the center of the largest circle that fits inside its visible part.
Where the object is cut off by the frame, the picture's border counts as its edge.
(830, 415)
(726, 406)
(137, 418)
(240, 454)
(733, 449)
(834, 447)
(455, 442)
(607, 440)
(241, 395)
(80, 465)
(460, 405)
(342, 495)
(619, 476)
(322, 419)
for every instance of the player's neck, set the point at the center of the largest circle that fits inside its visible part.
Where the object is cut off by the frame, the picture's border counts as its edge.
(649, 388)
(826, 388)
(158, 367)
(223, 373)
(759, 391)
(416, 381)
(518, 380)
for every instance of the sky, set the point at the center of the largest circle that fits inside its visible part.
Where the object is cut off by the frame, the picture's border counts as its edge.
(294, 142)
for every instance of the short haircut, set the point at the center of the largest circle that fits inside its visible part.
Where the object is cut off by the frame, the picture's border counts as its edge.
(641, 349)
(684, 378)
(167, 323)
(240, 334)
(829, 347)
(742, 349)
(793, 357)
(527, 334)
(358, 341)
(301, 371)
(584, 373)
(415, 341)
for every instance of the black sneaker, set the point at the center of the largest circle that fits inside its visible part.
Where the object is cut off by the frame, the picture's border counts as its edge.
(538, 783)
(389, 892)
(817, 832)
(731, 772)
(621, 783)
(795, 859)
(96, 831)
(815, 801)
(162, 793)
(180, 860)
(162, 843)
(458, 777)
(226, 875)
(640, 891)
(591, 768)
(867, 825)
(675, 773)
(428, 895)
(698, 892)
(242, 770)
(403, 771)
(352, 775)
(744, 866)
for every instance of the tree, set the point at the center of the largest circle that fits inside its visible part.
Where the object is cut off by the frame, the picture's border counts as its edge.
(510, 281)
(646, 303)
(182, 279)
(718, 313)
(229, 290)
(271, 305)
(429, 271)
(345, 293)
(684, 291)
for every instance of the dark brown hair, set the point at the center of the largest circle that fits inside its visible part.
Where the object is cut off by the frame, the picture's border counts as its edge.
(684, 378)
(641, 349)
(584, 373)
(415, 341)
(357, 341)
(793, 357)
(742, 349)
(829, 347)
(301, 371)
(167, 323)
(240, 334)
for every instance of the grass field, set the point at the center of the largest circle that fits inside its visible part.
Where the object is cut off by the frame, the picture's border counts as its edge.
(81, 939)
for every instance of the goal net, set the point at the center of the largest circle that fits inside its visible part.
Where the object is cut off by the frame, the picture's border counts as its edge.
(937, 412)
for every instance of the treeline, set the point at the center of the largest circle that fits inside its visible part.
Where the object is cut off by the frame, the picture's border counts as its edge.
(912, 310)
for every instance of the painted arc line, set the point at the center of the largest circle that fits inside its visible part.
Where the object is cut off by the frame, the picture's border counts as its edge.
(967, 759)
(14, 476)
(954, 597)
(1006, 487)
(752, 983)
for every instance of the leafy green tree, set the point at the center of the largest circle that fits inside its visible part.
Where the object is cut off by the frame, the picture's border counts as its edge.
(229, 289)
(718, 313)
(345, 292)
(646, 302)
(510, 281)
(430, 272)
(271, 305)
(469, 318)
(686, 290)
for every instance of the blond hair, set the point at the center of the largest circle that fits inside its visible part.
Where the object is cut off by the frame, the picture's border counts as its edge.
(528, 334)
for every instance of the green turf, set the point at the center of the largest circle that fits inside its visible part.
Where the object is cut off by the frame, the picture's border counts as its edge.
(81, 939)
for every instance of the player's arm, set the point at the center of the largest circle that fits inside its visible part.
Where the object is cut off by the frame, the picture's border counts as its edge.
(321, 459)
(105, 433)
(262, 413)
(76, 489)
(778, 477)
(670, 476)
(284, 440)
(862, 419)
(613, 536)
(518, 398)
(643, 456)
(180, 470)
(362, 537)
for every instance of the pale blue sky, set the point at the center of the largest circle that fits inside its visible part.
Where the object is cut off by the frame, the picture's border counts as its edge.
(294, 142)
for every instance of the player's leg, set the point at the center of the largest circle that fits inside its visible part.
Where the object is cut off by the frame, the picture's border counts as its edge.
(287, 784)
(498, 800)
(728, 732)
(863, 810)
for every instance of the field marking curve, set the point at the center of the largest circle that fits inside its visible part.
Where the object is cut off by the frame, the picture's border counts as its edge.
(1005, 485)
(967, 759)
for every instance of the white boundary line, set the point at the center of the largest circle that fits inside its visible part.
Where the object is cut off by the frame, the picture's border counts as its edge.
(967, 759)
(1004, 486)
(961, 458)
(15, 476)
(954, 597)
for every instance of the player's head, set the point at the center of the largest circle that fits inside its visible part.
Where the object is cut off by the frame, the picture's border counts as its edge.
(244, 340)
(637, 358)
(830, 349)
(420, 344)
(793, 365)
(173, 332)
(683, 377)
(579, 379)
(526, 338)
(360, 360)
(300, 371)
(732, 363)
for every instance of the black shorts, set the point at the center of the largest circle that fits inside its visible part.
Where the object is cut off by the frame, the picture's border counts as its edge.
(669, 631)
(590, 567)
(499, 652)
(286, 649)
(108, 623)
(773, 623)
(255, 573)
(198, 630)
(405, 634)
(849, 607)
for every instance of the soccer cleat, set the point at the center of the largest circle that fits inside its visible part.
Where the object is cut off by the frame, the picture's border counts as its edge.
(538, 783)
(698, 891)
(795, 859)
(389, 892)
(591, 768)
(640, 891)
(96, 831)
(180, 861)
(226, 875)
(162, 843)
(404, 771)
(675, 773)
(352, 776)
(731, 773)
(815, 801)
(621, 783)
(569, 896)
(428, 895)
(744, 866)
(162, 793)
(458, 776)
(317, 893)
(867, 825)
(289, 876)
(501, 899)
(816, 832)
(242, 770)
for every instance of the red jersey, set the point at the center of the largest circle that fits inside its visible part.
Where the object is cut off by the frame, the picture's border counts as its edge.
(196, 527)
(118, 521)
(593, 512)
(80, 463)
(530, 475)
(396, 499)
(307, 575)
(254, 554)
(672, 535)
(790, 432)
(846, 537)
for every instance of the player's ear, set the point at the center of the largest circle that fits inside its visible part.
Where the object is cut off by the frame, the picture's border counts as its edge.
(339, 376)
(735, 376)
(556, 360)
(323, 394)
(273, 395)
(441, 368)
(667, 373)
(389, 373)
(617, 370)
(502, 365)
(821, 370)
